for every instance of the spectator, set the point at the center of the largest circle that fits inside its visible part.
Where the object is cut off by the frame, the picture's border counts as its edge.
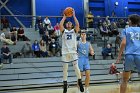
(27, 49)
(104, 29)
(46, 38)
(21, 34)
(114, 29)
(13, 34)
(50, 29)
(107, 51)
(53, 47)
(36, 48)
(57, 29)
(90, 19)
(4, 23)
(43, 49)
(113, 14)
(107, 22)
(41, 29)
(113, 70)
(38, 22)
(127, 24)
(7, 41)
(47, 21)
(0, 62)
(5, 53)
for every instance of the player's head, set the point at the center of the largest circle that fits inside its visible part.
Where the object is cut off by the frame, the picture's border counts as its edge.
(134, 19)
(83, 35)
(69, 25)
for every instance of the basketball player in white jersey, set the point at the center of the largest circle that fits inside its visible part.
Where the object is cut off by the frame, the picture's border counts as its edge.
(69, 50)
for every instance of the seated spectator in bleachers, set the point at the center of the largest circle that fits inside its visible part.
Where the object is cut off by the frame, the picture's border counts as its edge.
(46, 22)
(114, 29)
(53, 35)
(107, 51)
(0, 62)
(20, 34)
(50, 29)
(53, 47)
(46, 38)
(127, 25)
(36, 48)
(13, 34)
(5, 40)
(41, 29)
(113, 70)
(38, 22)
(104, 29)
(43, 49)
(27, 49)
(57, 29)
(121, 23)
(6, 53)
(108, 23)
(4, 23)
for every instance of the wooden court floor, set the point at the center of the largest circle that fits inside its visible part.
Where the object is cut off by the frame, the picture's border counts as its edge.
(109, 88)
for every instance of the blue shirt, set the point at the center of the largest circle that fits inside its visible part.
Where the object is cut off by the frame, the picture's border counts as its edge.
(132, 35)
(83, 49)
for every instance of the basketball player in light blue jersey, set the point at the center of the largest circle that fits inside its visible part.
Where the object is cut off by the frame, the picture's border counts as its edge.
(84, 48)
(131, 44)
(69, 50)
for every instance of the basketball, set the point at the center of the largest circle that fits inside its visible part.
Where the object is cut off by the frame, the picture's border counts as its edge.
(68, 11)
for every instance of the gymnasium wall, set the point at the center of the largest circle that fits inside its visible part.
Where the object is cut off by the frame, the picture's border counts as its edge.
(18, 7)
(56, 7)
(105, 7)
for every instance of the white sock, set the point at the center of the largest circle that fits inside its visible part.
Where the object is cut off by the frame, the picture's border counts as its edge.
(86, 88)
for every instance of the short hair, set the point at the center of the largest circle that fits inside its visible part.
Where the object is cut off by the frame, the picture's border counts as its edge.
(135, 19)
(82, 31)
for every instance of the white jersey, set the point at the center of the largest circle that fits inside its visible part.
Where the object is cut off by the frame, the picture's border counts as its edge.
(69, 42)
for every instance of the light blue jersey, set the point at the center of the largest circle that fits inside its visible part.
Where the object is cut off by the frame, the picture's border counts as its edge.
(83, 52)
(83, 49)
(132, 35)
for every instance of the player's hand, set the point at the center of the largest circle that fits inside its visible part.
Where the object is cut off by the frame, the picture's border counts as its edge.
(73, 13)
(64, 16)
(118, 60)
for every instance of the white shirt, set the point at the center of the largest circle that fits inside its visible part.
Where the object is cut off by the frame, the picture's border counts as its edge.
(47, 21)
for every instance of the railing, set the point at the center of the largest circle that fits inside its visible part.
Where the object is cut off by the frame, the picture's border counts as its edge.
(29, 20)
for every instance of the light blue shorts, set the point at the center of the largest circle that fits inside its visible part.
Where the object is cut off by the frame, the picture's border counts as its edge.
(132, 62)
(83, 63)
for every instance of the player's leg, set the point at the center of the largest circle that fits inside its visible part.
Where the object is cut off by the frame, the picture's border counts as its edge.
(87, 80)
(128, 66)
(125, 78)
(65, 75)
(80, 65)
(78, 74)
(137, 63)
(87, 73)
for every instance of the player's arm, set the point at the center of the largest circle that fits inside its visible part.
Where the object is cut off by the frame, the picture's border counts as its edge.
(122, 46)
(91, 50)
(76, 22)
(62, 24)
